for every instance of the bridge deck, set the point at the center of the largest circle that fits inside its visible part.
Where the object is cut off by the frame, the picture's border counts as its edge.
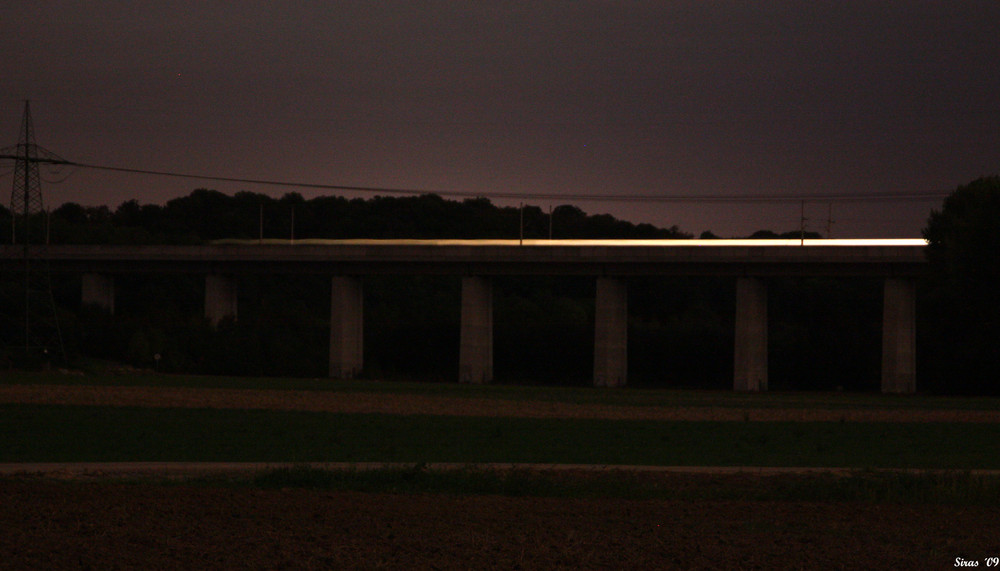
(497, 257)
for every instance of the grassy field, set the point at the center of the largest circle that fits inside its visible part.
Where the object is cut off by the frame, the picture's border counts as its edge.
(54, 433)
(414, 516)
(62, 433)
(583, 395)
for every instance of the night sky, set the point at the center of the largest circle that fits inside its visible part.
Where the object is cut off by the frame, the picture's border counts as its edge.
(664, 98)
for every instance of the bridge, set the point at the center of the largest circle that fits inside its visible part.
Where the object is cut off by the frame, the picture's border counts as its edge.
(610, 262)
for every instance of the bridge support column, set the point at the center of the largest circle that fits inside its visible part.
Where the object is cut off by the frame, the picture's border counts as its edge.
(611, 333)
(750, 361)
(475, 354)
(346, 328)
(99, 290)
(220, 298)
(899, 339)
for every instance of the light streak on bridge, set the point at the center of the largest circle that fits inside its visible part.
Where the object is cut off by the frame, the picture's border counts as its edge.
(743, 242)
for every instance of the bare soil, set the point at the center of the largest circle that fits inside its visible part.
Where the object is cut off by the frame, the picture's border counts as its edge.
(50, 523)
(73, 525)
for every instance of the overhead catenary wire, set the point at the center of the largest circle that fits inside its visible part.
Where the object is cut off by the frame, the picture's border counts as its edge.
(604, 197)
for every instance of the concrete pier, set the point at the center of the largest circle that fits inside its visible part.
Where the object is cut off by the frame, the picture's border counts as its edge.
(899, 339)
(611, 333)
(750, 361)
(346, 328)
(475, 354)
(220, 298)
(99, 290)
(900, 261)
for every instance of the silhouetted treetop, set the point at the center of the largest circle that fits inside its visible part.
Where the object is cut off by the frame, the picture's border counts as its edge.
(206, 215)
(963, 238)
(964, 255)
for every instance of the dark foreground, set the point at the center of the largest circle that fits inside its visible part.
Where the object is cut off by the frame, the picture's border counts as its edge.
(50, 524)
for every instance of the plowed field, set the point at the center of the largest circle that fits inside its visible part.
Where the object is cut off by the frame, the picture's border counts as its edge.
(67, 524)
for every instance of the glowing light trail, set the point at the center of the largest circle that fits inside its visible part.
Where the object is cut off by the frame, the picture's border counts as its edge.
(853, 242)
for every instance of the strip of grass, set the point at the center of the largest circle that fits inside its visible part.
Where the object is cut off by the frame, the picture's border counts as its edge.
(862, 486)
(581, 395)
(38, 433)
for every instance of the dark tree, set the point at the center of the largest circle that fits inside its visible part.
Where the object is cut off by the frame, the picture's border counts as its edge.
(792, 235)
(963, 338)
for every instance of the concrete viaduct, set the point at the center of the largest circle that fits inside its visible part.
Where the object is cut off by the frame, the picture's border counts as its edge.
(610, 262)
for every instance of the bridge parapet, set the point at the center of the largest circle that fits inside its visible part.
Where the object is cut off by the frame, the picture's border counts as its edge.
(499, 257)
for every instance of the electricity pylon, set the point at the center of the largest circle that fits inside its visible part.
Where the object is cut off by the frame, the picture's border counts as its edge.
(42, 335)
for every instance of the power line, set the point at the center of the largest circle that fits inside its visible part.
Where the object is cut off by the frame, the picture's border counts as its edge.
(776, 198)
(658, 198)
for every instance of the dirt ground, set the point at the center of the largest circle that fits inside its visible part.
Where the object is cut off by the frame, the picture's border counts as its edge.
(71, 525)
(50, 523)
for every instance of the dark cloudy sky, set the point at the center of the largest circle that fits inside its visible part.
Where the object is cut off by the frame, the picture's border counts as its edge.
(668, 98)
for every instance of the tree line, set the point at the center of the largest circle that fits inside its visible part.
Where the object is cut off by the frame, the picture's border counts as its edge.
(206, 215)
